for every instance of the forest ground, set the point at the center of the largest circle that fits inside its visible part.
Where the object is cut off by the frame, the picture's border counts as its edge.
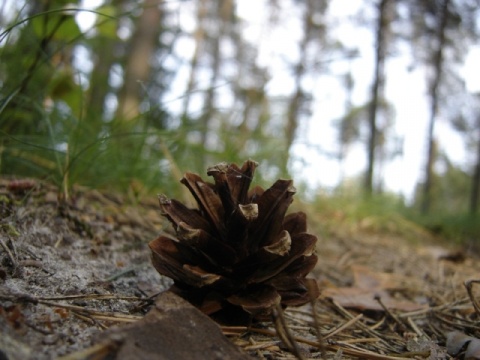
(73, 265)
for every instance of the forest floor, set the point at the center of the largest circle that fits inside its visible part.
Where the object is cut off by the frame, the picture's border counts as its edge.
(72, 269)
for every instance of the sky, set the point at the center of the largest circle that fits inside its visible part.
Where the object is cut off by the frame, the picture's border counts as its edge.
(405, 86)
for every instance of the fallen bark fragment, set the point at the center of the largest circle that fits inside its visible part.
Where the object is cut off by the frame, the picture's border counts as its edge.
(173, 329)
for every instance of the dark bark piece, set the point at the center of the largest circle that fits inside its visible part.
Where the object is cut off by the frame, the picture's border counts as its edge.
(173, 329)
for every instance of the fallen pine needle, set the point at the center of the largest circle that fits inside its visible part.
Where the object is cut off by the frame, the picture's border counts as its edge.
(343, 327)
(364, 354)
(93, 297)
(82, 310)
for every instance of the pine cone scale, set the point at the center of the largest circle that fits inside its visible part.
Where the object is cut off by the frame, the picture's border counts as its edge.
(281, 246)
(294, 291)
(238, 180)
(272, 206)
(168, 260)
(268, 265)
(216, 251)
(176, 213)
(208, 201)
(302, 266)
(256, 300)
(295, 223)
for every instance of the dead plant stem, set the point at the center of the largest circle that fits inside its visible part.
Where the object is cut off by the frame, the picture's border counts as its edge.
(283, 331)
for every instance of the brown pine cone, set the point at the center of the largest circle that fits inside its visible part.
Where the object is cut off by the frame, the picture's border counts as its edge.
(237, 255)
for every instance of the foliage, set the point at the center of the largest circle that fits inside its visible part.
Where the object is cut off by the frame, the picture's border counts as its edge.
(450, 190)
(56, 122)
(462, 228)
(94, 105)
(348, 215)
(345, 212)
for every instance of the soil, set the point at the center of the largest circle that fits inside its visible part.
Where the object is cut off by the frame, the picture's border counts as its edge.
(70, 251)
(74, 264)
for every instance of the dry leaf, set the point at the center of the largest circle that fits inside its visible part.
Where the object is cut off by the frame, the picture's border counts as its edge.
(369, 285)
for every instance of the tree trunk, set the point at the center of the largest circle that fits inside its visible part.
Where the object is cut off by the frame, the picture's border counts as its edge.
(434, 99)
(199, 37)
(99, 86)
(383, 25)
(224, 14)
(298, 95)
(138, 64)
(475, 191)
(103, 48)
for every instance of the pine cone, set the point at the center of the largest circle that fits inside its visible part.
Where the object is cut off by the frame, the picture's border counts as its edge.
(237, 255)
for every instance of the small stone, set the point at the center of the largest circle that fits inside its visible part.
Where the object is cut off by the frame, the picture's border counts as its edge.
(50, 339)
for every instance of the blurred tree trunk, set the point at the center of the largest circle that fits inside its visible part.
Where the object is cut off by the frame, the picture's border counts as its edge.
(142, 47)
(298, 98)
(312, 30)
(293, 114)
(434, 101)
(103, 48)
(382, 30)
(254, 115)
(247, 129)
(209, 106)
(224, 16)
(99, 81)
(199, 37)
(475, 192)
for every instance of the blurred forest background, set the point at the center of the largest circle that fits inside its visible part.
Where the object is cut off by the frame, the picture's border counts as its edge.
(127, 95)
